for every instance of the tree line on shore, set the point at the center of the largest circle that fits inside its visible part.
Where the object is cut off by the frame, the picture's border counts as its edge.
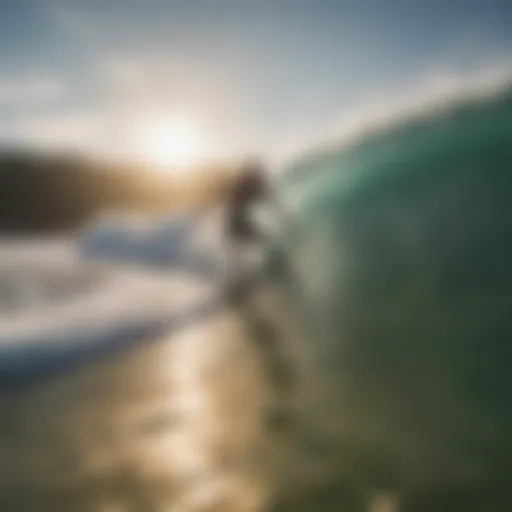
(41, 194)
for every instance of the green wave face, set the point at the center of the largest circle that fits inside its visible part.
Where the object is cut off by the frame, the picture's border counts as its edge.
(432, 144)
(402, 255)
(323, 190)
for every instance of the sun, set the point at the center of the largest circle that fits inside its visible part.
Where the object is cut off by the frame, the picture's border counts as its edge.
(172, 145)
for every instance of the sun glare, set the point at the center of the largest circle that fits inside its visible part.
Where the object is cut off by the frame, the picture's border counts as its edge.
(172, 145)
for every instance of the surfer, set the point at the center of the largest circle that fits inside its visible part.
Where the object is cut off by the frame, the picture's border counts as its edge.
(242, 232)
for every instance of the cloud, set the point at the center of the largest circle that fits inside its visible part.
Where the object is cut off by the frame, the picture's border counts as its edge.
(139, 90)
(60, 130)
(146, 79)
(21, 90)
(135, 91)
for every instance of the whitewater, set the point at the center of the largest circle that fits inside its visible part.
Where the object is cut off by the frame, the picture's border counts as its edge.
(70, 299)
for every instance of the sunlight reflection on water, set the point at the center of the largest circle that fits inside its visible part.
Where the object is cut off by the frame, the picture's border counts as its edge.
(145, 431)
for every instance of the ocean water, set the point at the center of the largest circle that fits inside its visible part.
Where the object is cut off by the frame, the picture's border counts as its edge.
(88, 375)
(173, 419)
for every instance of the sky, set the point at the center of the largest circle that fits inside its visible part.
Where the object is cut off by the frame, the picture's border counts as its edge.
(255, 76)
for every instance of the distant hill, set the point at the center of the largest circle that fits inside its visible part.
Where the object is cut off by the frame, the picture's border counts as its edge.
(53, 193)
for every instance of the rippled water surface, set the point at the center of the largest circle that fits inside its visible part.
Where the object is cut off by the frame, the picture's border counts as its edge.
(144, 431)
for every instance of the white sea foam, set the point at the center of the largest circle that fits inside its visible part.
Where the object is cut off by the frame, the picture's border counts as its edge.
(55, 291)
